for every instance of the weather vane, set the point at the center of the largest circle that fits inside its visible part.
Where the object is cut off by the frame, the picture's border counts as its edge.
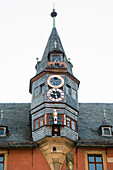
(53, 4)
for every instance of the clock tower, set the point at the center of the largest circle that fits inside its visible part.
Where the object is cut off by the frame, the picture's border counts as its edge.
(54, 105)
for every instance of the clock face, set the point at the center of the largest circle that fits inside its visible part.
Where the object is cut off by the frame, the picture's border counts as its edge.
(55, 95)
(55, 81)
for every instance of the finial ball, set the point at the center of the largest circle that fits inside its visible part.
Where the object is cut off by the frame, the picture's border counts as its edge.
(53, 14)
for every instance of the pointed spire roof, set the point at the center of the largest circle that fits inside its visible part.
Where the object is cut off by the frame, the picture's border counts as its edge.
(53, 44)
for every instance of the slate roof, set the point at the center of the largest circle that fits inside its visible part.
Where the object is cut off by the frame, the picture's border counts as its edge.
(50, 47)
(90, 119)
(16, 118)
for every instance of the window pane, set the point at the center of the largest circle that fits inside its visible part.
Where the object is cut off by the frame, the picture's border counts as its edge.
(99, 166)
(91, 166)
(1, 166)
(68, 124)
(73, 125)
(74, 94)
(67, 89)
(1, 131)
(98, 159)
(106, 131)
(41, 123)
(59, 118)
(36, 121)
(36, 124)
(43, 88)
(41, 118)
(59, 122)
(68, 119)
(51, 122)
(50, 117)
(91, 158)
(1, 158)
(36, 92)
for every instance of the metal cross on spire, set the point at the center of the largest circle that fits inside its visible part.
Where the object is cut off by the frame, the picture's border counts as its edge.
(55, 43)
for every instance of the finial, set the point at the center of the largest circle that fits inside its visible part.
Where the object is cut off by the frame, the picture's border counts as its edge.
(104, 113)
(53, 14)
(2, 114)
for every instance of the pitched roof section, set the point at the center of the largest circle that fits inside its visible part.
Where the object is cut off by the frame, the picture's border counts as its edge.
(90, 118)
(53, 44)
(16, 118)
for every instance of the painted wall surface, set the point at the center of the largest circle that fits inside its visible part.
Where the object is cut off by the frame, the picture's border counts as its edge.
(79, 158)
(26, 159)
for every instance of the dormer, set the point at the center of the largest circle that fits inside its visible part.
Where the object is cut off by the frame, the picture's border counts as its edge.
(106, 131)
(105, 127)
(56, 59)
(3, 128)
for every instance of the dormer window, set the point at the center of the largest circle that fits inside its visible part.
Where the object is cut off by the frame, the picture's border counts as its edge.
(106, 131)
(56, 57)
(2, 131)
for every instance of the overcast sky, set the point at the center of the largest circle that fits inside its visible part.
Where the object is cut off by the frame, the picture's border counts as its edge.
(86, 31)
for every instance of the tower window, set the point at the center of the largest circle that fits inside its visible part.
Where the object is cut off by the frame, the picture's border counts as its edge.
(68, 122)
(42, 88)
(68, 89)
(50, 120)
(38, 122)
(39, 90)
(56, 57)
(41, 121)
(56, 64)
(74, 94)
(36, 91)
(71, 123)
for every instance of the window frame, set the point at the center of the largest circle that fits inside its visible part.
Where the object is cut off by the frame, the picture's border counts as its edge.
(74, 96)
(39, 91)
(39, 122)
(110, 131)
(95, 162)
(5, 155)
(103, 153)
(68, 86)
(42, 85)
(62, 119)
(70, 120)
(4, 130)
(34, 93)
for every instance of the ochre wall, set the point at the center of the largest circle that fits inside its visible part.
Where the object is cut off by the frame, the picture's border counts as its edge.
(26, 159)
(79, 157)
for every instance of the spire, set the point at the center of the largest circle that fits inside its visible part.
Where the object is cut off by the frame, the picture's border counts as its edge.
(53, 14)
(54, 44)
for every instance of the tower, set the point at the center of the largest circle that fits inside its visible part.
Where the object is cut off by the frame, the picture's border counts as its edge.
(54, 105)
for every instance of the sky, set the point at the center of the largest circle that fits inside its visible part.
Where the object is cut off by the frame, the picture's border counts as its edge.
(86, 31)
